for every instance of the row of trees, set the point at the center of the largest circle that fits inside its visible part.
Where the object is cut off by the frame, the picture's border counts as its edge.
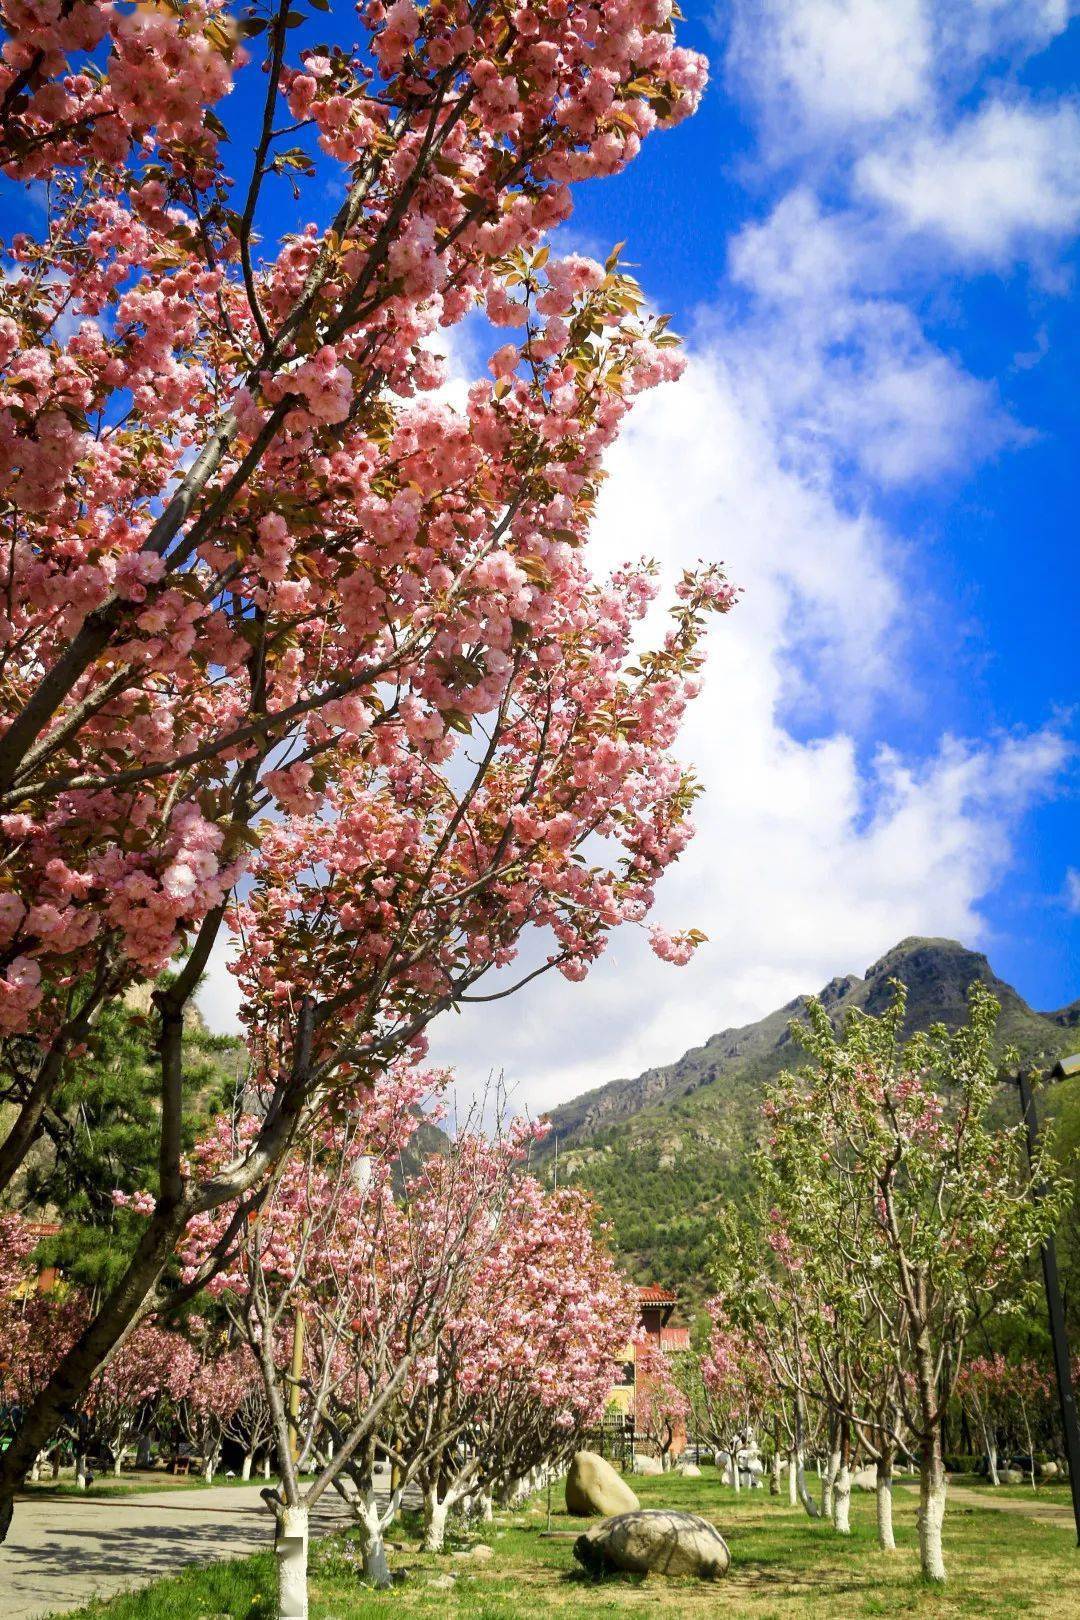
(462, 1326)
(291, 649)
(895, 1223)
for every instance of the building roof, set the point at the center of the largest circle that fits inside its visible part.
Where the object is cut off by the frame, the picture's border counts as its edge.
(650, 1294)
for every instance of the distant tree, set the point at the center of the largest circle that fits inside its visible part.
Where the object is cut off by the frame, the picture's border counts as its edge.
(882, 1153)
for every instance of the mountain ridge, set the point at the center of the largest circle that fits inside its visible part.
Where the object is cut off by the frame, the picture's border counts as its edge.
(662, 1150)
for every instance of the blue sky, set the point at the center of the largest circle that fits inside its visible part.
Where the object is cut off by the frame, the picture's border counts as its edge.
(868, 238)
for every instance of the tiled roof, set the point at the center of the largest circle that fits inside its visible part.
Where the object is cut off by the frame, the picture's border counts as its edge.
(650, 1294)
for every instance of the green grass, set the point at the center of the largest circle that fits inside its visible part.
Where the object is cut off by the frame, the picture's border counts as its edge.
(1056, 1491)
(782, 1566)
(109, 1485)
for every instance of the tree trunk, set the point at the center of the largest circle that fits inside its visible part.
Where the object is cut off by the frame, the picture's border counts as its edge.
(434, 1520)
(266, 1464)
(485, 1507)
(291, 1549)
(35, 1472)
(245, 1472)
(812, 1509)
(886, 1539)
(369, 1524)
(774, 1472)
(842, 1500)
(991, 1456)
(932, 1488)
(81, 1471)
(118, 1463)
(793, 1478)
(208, 1469)
(828, 1483)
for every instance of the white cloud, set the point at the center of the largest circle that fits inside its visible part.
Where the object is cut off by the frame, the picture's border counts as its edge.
(1072, 890)
(999, 181)
(832, 64)
(847, 373)
(809, 860)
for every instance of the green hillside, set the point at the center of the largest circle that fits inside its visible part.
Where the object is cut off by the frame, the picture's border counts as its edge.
(665, 1151)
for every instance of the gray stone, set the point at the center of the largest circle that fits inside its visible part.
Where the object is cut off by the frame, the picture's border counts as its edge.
(593, 1487)
(655, 1541)
(647, 1465)
(865, 1479)
(1011, 1476)
(689, 1470)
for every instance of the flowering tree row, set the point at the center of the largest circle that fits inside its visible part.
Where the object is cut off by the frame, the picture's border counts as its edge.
(896, 1222)
(191, 1390)
(463, 1327)
(290, 646)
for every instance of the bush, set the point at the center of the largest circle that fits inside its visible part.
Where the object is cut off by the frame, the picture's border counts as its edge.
(963, 1462)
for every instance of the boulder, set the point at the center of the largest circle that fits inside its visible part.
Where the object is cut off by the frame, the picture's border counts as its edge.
(647, 1465)
(1049, 1470)
(689, 1470)
(593, 1487)
(865, 1479)
(654, 1541)
(1011, 1476)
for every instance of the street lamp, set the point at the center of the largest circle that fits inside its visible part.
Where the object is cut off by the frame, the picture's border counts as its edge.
(1064, 1069)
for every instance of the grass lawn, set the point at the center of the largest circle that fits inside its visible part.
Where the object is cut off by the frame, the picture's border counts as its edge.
(1056, 1491)
(133, 1484)
(782, 1565)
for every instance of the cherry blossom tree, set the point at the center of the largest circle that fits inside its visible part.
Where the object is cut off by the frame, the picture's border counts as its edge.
(882, 1154)
(661, 1407)
(274, 613)
(525, 1365)
(122, 1400)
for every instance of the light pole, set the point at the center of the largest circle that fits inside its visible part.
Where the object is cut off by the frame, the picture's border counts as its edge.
(1065, 1069)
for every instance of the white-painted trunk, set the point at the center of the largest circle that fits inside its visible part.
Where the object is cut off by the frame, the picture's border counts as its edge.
(793, 1479)
(812, 1509)
(245, 1472)
(828, 1484)
(932, 1490)
(208, 1469)
(774, 1474)
(291, 1550)
(81, 1471)
(434, 1521)
(886, 1539)
(485, 1507)
(118, 1463)
(842, 1500)
(992, 1458)
(266, 1466)
(35, 1472)
(369, 1523)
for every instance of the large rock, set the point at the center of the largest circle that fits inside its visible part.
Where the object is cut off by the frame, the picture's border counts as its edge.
(865, 1479)
(644, 1464)
(689, 1470)
(1011, 1476)
(655, 1541)
(593, 1486)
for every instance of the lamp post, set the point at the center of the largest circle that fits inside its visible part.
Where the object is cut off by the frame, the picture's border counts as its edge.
(1065, 1069)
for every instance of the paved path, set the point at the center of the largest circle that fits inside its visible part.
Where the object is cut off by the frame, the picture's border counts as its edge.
(1042, 1511)
(64, 1550)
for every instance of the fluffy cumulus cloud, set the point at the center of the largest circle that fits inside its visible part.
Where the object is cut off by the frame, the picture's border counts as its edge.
(813, 856)
(997, 183)
(814, 398)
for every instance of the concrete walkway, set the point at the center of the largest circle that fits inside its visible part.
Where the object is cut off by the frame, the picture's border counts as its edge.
(64, 1550)
(1039, 1509)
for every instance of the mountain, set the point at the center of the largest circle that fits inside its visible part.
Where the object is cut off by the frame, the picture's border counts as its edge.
(663, 1152)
